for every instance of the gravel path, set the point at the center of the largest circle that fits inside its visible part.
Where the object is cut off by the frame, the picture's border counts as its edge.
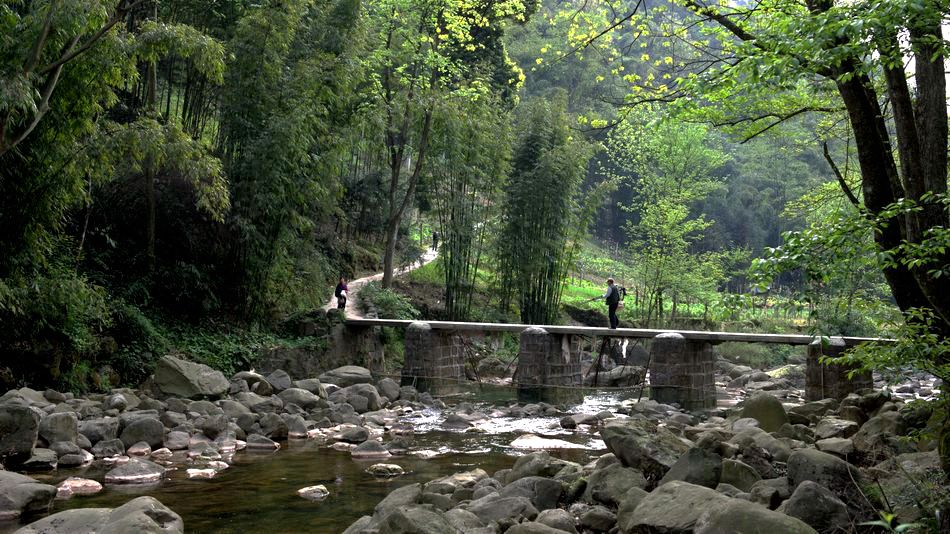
(355, 285)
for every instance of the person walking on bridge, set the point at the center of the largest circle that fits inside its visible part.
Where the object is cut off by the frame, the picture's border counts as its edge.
(612, 298)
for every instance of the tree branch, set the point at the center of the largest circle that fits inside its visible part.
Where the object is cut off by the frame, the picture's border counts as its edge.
(841, 181)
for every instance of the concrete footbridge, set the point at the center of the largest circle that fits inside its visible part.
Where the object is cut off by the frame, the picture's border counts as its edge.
(681, 363)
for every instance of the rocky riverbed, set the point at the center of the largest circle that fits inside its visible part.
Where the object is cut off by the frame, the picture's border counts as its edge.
(772, 462)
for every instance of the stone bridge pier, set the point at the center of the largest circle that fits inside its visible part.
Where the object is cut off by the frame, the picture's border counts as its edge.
(824, 381)
(434, 359)
(683, 371)
(546, 361)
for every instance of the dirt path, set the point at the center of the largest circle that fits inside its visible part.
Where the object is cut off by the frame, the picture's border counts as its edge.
(355, 285)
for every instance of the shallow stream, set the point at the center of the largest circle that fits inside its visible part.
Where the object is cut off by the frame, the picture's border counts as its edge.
(258, 492)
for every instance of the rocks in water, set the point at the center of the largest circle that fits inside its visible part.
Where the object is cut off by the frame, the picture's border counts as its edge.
(767, 410)
(77, 486)
(180, 378)
(370, 449)
(641, 444)
(557, 519)
(534, 442)
(363, 397)
(22, 495)
(19, 429)
(140, 515)
(99, 429)
(145, 429)
(136, 471)
(385, 470)
(41, 460)
(259, 442)
(300, 397)
(201, 473)
(106, 448)
(314, 493)
(347, 375)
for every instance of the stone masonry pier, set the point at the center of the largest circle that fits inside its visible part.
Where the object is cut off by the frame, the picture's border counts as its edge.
(682, 368)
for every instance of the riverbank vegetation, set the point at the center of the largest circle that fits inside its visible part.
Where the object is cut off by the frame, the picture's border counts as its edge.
(771, 167)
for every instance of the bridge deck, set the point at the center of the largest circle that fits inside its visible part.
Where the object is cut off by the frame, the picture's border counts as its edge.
(713, 337)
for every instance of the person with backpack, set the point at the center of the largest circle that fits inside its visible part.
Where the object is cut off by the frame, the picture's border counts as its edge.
(612, 297)
(340, 294)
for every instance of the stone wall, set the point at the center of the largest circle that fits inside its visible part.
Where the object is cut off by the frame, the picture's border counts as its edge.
(831, 381)
(682, 371)
(344, 345)
(435, 359)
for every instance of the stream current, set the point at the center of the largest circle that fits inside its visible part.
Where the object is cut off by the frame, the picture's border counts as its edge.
(258, 492)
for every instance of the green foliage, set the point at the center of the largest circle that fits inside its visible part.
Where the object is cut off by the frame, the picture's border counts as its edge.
(58, 307)
(472, 144)
(672, 166)
(387, 303)
(286, 84)
(543, 220)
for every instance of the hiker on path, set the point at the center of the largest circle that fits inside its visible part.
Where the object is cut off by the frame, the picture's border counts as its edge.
(612, 297)
(340, 294)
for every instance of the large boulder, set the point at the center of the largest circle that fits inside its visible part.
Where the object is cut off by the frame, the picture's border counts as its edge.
(641, 444)
(610, 484)
(833, 427)
(743, 517)
(416, 519)
(406, 495)
(828, 470)
(180, 378)
(347, 376)
(363, 397)
(494, 507)
(673, 507)
(99, 429)
(20, 494)
(877, 436)
(300, 397)
(767, 410)
(697, 466)
(818, 506)
(147, 429)
(142, 515)
(280, 380)
(19, 428)
(59, 427)
(543, 493)
(534, 464)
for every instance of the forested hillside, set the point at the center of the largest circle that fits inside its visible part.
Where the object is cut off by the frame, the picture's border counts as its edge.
(186, 176)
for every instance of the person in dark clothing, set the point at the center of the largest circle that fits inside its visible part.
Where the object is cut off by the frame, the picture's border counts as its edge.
(612, 298)
(340, 294)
